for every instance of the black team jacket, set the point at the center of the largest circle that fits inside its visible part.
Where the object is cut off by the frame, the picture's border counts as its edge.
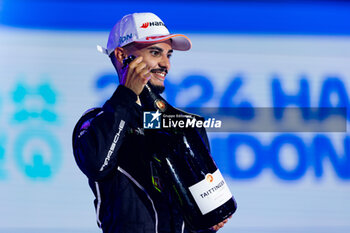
(111, 149)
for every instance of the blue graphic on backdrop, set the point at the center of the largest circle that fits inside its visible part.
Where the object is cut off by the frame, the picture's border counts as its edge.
(308, 155)
(40, 165)
(36, 149)
(313, 155)
(228, 100)
(281, 99)
(2, 149)
(3, 174)
(331, 87)
(200, 81)
(44, 92)
(104, 82)
(0, 106)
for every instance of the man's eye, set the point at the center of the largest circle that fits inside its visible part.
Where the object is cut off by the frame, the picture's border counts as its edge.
(155, 53)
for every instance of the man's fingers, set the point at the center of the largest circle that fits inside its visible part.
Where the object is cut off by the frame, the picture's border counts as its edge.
(141, 71)
(140, 66)
(135, 62)
(220, 225)
(145, 75)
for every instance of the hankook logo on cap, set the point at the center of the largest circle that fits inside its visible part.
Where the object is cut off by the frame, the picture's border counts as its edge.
(150, 24)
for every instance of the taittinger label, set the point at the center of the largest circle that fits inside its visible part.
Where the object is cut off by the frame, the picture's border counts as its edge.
(211, 192)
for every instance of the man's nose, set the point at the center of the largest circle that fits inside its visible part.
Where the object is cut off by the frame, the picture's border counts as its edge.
(165, 62)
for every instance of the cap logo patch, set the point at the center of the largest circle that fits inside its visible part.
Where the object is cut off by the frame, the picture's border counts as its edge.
(125, 38)
(154, 37)
(150, 24)
(145, 25)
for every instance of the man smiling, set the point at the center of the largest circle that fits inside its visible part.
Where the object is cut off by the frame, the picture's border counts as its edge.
(109, 144)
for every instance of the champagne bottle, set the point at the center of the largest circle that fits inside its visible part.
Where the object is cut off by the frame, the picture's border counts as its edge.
(200, 190)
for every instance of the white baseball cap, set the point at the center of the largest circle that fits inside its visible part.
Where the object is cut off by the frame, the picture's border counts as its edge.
(142, 28)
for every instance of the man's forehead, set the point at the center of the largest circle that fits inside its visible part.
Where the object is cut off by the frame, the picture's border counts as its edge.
(160, 48)
(165, 46)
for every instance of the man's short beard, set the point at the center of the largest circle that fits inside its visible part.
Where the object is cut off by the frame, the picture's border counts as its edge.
(156, 88)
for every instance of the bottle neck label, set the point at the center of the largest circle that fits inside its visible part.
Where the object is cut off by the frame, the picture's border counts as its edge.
(211, 192)
(160, 105)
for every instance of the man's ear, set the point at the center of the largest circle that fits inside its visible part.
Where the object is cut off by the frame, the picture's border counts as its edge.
(120, 54)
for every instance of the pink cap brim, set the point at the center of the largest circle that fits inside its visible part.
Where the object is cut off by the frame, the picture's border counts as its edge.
(179, 41)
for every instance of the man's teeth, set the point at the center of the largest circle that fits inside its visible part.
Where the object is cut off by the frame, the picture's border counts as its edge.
(161, 74)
